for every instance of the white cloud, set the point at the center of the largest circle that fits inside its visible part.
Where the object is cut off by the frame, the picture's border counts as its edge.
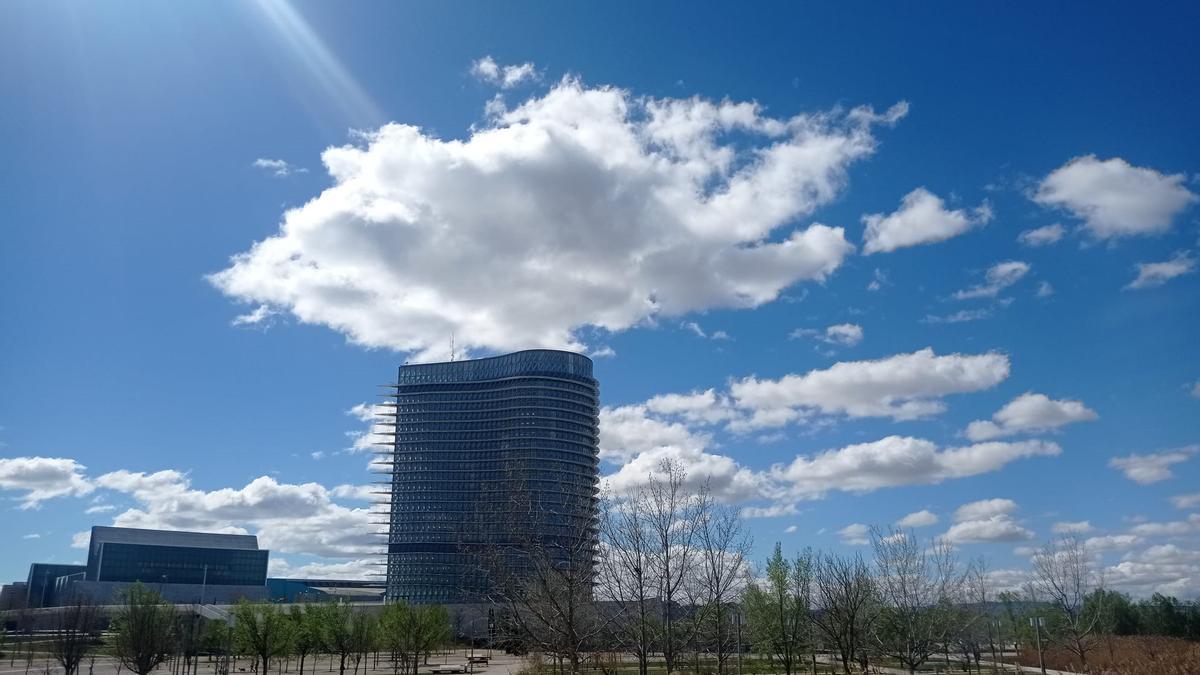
(1011, 580)
(99, 508)
(705, 407)
(1045, 289)
(1078, 527)
(278, 167)
(1168, 569)
(33, 535)
(1115, 198)
(889, 462)
(42, 478)
(727, 480)
(999, 277)
(847, 334)
(1151, 275)
(855, 534)
(1112, 542)
(898, 460)
(1042, 236)
(1030, 413)
(988, 520)
(361, 493)
(81, 539)
(790, 529)
(255, 318)
(361, 569)
(365, 412)
(506, 77)
(921, 219)
(1152, 468)
(772, 511)
(699, 331)
(1189, 501)
(879, 280)
(1174, 528)
(984, 508)
(922, 518)
(961, 316)
(366, 440)
(290, 518)
(628, 431)
(844, 334)
(902, 387)
(590, 208)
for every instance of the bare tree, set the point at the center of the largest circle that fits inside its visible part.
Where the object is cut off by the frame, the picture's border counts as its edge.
(74, 633)
(1064, 576)
(543, 574)
(845, 605)
(918, 586)
(724, 548)
(977, 626)
(674, 514)
(625, 580)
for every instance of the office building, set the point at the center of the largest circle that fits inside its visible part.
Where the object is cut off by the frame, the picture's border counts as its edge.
(13, 596)
(185, 567)
(41, 587)
(486, 455)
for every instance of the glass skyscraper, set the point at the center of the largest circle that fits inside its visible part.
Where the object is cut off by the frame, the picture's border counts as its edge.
(487, 455)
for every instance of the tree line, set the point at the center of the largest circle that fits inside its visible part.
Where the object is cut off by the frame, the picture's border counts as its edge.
(672, 584)
(146, 632)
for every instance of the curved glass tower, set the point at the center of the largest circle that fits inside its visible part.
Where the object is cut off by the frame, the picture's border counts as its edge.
(487, 457)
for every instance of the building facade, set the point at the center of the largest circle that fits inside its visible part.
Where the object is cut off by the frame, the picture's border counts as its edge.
(124, 554)
(487, 459)
(13, 596)
(42, 587)
(184, 567)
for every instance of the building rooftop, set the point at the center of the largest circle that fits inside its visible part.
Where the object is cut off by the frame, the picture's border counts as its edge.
(132, 535)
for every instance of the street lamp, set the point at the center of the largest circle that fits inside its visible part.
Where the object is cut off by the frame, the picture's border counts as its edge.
(737, 621)
(1038, 623)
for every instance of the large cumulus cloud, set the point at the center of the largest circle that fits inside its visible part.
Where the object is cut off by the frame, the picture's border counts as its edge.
(584, 207)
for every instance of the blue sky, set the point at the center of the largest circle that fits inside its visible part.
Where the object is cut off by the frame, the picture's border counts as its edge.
(786, 207)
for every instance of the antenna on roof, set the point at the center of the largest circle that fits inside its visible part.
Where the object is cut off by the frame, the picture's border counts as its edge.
(452, 346)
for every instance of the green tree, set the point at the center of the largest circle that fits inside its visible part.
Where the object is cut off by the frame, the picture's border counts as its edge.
(779, 612)
(261, 630)
(143, 629)
(1118, 615)
(216, 638)
(362, 636)
(305, 631)
(1164, 615)
(408, 632)
(336, 632)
